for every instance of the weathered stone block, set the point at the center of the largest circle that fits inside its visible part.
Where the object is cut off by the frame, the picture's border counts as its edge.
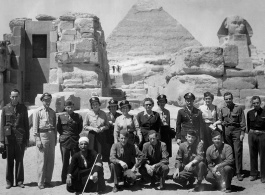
(84, 45)
(93, 56)
(84, 23)
(62, 58)
(65, 37)
(53, 63)
(198, 60)
(239, 83)
(251, 92)
(7, 37)
(63, 46)
(15, 40)
(235, 92)
(53, 36)
(53, 47)
(78, 57)
(86, 30)
(53, 79)
(65, 25)
(230, 53)
(243, 73)
(260, 81)
(51, 88)
(20, 22)
(15, 50)
(87, 35)
(69, 32)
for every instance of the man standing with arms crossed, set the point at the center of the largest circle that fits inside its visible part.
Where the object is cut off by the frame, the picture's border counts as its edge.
(233, 121)
(44, 128)
(14, 133)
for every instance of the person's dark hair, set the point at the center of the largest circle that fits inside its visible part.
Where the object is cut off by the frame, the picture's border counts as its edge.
(255, 97)
(14, 90)
(228, 93)
(148, 99)
(208, 94)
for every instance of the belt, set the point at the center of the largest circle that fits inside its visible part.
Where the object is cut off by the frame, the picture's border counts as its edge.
(45, 130)
(256, 131)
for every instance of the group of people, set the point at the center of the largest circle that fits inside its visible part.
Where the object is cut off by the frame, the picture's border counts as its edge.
(210, 143)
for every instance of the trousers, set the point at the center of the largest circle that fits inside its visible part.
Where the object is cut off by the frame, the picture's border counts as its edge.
(45, 157)
(256, 147)
(15, 153)
(226, 176)
(121, 175)
(232, 137)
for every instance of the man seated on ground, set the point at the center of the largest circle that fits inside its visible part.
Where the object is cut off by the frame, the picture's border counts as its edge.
(189, 161)
(220, 161)
(122, 158)
(157, 162)
(80, 168)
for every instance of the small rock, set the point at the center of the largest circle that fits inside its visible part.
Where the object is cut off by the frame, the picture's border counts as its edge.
(44, 17)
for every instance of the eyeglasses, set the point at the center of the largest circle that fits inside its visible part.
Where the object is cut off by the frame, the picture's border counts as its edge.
(148, 104)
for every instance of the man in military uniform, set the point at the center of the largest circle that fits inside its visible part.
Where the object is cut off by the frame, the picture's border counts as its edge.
(233, 121)
(256, 139)
(44, 128)
(189, 118)
(69, 126)
(14, 134)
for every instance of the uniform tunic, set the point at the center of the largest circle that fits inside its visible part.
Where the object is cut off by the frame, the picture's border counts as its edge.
(97, 140)
(44, 128)
(256, 140)
(187, 120)
(165, 129)
(128, 123)
(233, 121)
(14, 118)
(223, 157)
(69, 127)
(80, 168)
(185, 155)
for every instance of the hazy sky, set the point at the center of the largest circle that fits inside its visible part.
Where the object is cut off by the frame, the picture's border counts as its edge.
(201, 17)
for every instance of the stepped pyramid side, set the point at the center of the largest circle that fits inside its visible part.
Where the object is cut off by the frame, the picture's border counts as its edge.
(148, 31)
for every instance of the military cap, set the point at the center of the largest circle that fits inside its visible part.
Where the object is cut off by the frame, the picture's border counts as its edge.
(94, 99)
(125, 103)
(68, 103)
(191, 132)
(112, 102)
(215, 133)
(45, 96)
(161, 97)
(151, 132)
(189, 95)
(124, 133)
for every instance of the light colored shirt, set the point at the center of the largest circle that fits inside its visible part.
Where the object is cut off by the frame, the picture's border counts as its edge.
(44, 119)
(209, 114)
(164, 116)
(145, 113)
(128, 123)
(96, 120)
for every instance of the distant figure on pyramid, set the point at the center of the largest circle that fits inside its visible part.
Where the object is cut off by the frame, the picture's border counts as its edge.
(113, 69)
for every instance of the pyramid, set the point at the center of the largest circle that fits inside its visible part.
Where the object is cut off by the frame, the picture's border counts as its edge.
(148, 30)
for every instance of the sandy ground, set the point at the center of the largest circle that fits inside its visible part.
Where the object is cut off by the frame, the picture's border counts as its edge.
(30, 164)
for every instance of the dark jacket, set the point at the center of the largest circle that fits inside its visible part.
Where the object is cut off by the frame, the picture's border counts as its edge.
(148, 123)
(69, 127)
(17, 119)
(256, 122)
(127, 154)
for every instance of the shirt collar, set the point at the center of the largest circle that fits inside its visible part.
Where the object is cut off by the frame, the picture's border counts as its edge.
(145, 113)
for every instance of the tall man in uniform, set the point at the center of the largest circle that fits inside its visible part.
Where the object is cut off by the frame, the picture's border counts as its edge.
(69, 126)
(14, 133)
(256, 139)
(189, 161)
(157, 160)
(122, 158)
(44, 128)
(233, 121)
(189, 118)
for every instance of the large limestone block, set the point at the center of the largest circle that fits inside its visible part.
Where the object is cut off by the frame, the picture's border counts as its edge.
(251, 92)
(84, 23)
(156, 80)
(69, 32)
(65, 25)
(63, 46)
(44, 17)
(235, 92)
(240, 83)
(230, 55)
(260, 81)
(179, 85)
(53, 76)
(231, 72)
(65, 37)
(52, 88)
(18, 22)
(58, 100)
(84, 45)
(53, 36)
(198, 60)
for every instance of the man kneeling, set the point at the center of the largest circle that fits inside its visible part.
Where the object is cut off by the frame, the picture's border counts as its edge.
(80, 168)
(122, 158)
(220, 163)
(157, 160)
(189, 161)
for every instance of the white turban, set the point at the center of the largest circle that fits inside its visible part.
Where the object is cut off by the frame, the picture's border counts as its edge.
(83, 139)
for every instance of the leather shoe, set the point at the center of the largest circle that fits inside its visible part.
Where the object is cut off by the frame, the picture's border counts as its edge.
(115, 189)
(21, 185)
(262, 180)
(161, 187)
(41, 187)
(253, 178)
(8, 186)
(239, 177)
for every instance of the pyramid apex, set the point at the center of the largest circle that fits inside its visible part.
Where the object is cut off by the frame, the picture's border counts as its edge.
(147, 5)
